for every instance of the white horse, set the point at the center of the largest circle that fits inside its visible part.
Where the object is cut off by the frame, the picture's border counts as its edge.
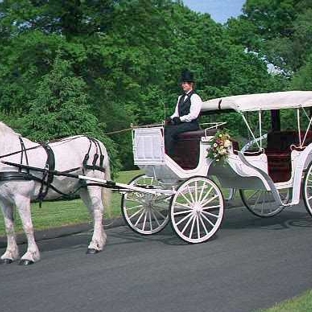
(19, 185)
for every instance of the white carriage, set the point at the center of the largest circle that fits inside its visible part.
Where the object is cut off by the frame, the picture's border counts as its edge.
(268, 172)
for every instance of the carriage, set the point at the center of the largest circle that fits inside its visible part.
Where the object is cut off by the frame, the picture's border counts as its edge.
(271, 172)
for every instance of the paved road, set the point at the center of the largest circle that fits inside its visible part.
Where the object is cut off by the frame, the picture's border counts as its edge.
(252, 263)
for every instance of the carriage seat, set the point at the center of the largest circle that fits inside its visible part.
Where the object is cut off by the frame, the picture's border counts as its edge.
(278, 151)
(282, 140)
(186, 149)
(197, 134)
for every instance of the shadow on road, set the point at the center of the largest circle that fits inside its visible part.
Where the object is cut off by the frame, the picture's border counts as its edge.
(235, 218)
(241, 218)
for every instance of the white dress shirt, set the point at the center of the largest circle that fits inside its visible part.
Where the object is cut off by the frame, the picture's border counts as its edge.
(196, 104)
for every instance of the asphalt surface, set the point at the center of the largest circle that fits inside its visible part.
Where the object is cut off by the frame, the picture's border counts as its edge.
(251, 263)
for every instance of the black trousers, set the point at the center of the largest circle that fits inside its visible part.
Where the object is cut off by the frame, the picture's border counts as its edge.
(172, 131)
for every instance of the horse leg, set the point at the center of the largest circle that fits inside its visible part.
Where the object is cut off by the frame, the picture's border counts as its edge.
(92, 197)
(32, 254)
(11, 252)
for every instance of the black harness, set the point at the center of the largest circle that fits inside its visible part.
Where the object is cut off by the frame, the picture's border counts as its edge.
(48, 172)
(96, 156)
(47, 176)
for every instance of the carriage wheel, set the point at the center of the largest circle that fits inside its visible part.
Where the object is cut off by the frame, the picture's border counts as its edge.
(307, 189)
(145, 213)
(197, 210)
(230, 194)
(261, 202)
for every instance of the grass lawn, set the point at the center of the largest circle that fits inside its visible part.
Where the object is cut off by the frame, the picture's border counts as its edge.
(61, 213)
(301, 303)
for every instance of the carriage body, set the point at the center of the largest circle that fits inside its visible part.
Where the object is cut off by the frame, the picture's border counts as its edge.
(268, 178)
(150, 156)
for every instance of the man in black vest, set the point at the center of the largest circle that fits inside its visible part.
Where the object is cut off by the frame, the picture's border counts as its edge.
(185, 116)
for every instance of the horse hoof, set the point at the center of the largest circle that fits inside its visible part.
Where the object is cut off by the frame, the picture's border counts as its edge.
(6, 261)
(92, 251)
(26, 262)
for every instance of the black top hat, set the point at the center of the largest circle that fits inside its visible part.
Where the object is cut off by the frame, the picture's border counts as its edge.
(187, 76)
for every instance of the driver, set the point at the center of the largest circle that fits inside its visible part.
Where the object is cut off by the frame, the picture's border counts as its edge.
(185, 116)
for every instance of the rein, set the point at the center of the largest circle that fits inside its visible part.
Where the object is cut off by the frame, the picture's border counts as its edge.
(23, 150)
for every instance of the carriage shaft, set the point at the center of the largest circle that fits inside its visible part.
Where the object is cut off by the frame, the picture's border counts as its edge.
(106, 183)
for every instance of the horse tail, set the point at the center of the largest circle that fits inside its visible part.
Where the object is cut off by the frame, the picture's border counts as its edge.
(106, 192)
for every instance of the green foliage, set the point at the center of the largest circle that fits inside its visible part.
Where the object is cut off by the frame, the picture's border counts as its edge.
(302, 80)
(97, 66)
(61, 103)
(279, 30)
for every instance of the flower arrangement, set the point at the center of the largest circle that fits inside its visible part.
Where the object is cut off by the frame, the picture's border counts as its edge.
(220, 146)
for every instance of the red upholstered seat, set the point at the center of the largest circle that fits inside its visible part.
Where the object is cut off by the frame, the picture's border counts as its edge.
(278, 152)
(279, 166)
(196, 135)
(235, 146)
(186, 149)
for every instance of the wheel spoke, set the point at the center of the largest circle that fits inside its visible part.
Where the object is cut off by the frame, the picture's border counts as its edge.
(257, 200)
(209, 200)
(140, 217)
(202, 191)
(162, 198)
(207, 194)
(210, 214)
(198, 228)
(134, 207)
(159, 213)
(186, 199)
(183, 206)
(208, 220)
(203, 224)
(192, 227)
(211, 207)
(261, 206)
(155, 218)
(191, 194)
(187, 223)
(183, 219)
(150, 220)
(254, 194)
(182, 212)
(144, 221)
(142, 209)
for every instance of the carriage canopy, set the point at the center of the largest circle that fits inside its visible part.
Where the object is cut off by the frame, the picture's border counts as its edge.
(260, 101)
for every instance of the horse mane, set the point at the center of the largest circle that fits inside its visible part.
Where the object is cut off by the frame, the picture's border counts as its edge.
(4, 129)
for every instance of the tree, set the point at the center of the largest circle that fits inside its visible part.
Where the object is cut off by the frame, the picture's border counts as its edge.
(69, 18)
(279, 30)
(120, 60)
(302, 80)
(61, 109)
